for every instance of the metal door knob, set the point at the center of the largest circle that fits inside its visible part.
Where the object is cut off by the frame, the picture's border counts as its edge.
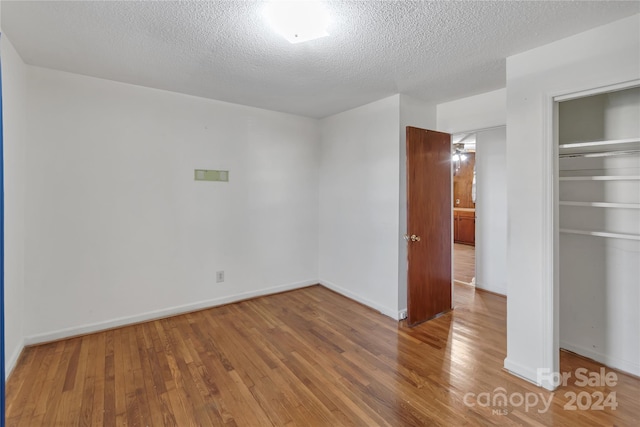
(413, 238)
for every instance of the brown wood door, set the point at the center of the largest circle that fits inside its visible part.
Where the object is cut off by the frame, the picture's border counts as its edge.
(429, 220)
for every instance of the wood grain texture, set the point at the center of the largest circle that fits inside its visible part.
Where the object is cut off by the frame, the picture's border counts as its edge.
(464, 227)
(462, 182)
(464, 263)
(428, 216)
(308, 357)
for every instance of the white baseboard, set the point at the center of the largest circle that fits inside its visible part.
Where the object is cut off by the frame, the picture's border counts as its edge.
(610, 361)
(158, 314)
(11, 362)
(525, 372)
(394, 314)
(494, 289)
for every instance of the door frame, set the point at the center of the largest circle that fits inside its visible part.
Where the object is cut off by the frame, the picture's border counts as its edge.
(403, 253)
(2, 320)
(453, 242)
(478, 220)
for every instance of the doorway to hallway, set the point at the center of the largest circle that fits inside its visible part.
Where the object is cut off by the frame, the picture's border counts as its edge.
(463, 160)
(481, 248)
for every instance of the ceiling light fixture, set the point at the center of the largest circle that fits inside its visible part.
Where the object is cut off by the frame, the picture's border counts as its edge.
(298, 21)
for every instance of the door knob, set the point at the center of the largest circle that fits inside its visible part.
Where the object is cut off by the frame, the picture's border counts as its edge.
(415, 238)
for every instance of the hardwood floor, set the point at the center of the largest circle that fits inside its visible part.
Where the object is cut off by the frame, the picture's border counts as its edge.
(308, 357)
(464, 262)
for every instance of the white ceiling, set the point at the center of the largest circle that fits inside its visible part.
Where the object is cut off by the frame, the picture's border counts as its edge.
(436, 51)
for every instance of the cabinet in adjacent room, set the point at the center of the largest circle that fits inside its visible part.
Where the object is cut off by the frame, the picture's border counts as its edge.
(464, 226)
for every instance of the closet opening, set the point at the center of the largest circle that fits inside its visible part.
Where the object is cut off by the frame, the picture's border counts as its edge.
(597, 225)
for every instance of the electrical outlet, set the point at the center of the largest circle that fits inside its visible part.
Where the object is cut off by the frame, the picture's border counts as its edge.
(220, 277)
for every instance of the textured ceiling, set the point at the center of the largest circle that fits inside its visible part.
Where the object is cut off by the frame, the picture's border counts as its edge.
(435, 51)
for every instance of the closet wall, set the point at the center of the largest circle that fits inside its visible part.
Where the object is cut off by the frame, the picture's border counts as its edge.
(599, 224)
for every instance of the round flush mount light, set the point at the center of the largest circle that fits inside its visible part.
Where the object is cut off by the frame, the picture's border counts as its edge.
(298, 21)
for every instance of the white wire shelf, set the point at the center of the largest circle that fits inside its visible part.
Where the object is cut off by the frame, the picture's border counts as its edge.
(605, 148)
(601, 178)
(594, 146)
(602, 204)
(601, 234)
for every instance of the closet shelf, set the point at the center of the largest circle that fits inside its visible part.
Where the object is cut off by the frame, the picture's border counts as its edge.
(610, 144)
(606, 148)
(601, 178)
(601, 234)
(600, 154)
(601, 204)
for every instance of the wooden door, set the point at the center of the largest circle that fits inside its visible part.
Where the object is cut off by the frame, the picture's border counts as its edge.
(428, 224)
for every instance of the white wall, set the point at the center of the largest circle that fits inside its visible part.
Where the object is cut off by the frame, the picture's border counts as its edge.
(14, 93)
(491, 210)
(420, 114)
(119, 231)
(483, 111)
(605, 55)
(359, 199)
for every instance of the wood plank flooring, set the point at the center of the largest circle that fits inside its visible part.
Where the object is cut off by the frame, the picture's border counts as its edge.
(464, 262)
(308, 357)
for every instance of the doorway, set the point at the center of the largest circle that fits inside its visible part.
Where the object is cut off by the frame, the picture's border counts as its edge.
(463, 158)
(431, 229)
(480, 251)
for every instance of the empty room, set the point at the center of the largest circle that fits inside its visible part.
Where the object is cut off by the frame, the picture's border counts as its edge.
(320, 213)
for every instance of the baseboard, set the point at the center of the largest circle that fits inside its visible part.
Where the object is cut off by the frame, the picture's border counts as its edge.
(159, 314)
(503, 295)
(492, 289)
(394, 314)
(13, 360)
(525, 372)
(610, 361)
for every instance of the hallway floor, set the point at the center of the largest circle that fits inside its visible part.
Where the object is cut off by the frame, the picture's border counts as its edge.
(464, 263)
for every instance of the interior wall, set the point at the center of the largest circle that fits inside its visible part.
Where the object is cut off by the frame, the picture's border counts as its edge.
(611, 115)
(587, 118)
(477, 112)
(14, 94)
(359, 181)
(621, 113)
(602, 56)
(118, 230)
(491, 210)
(420, 114)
